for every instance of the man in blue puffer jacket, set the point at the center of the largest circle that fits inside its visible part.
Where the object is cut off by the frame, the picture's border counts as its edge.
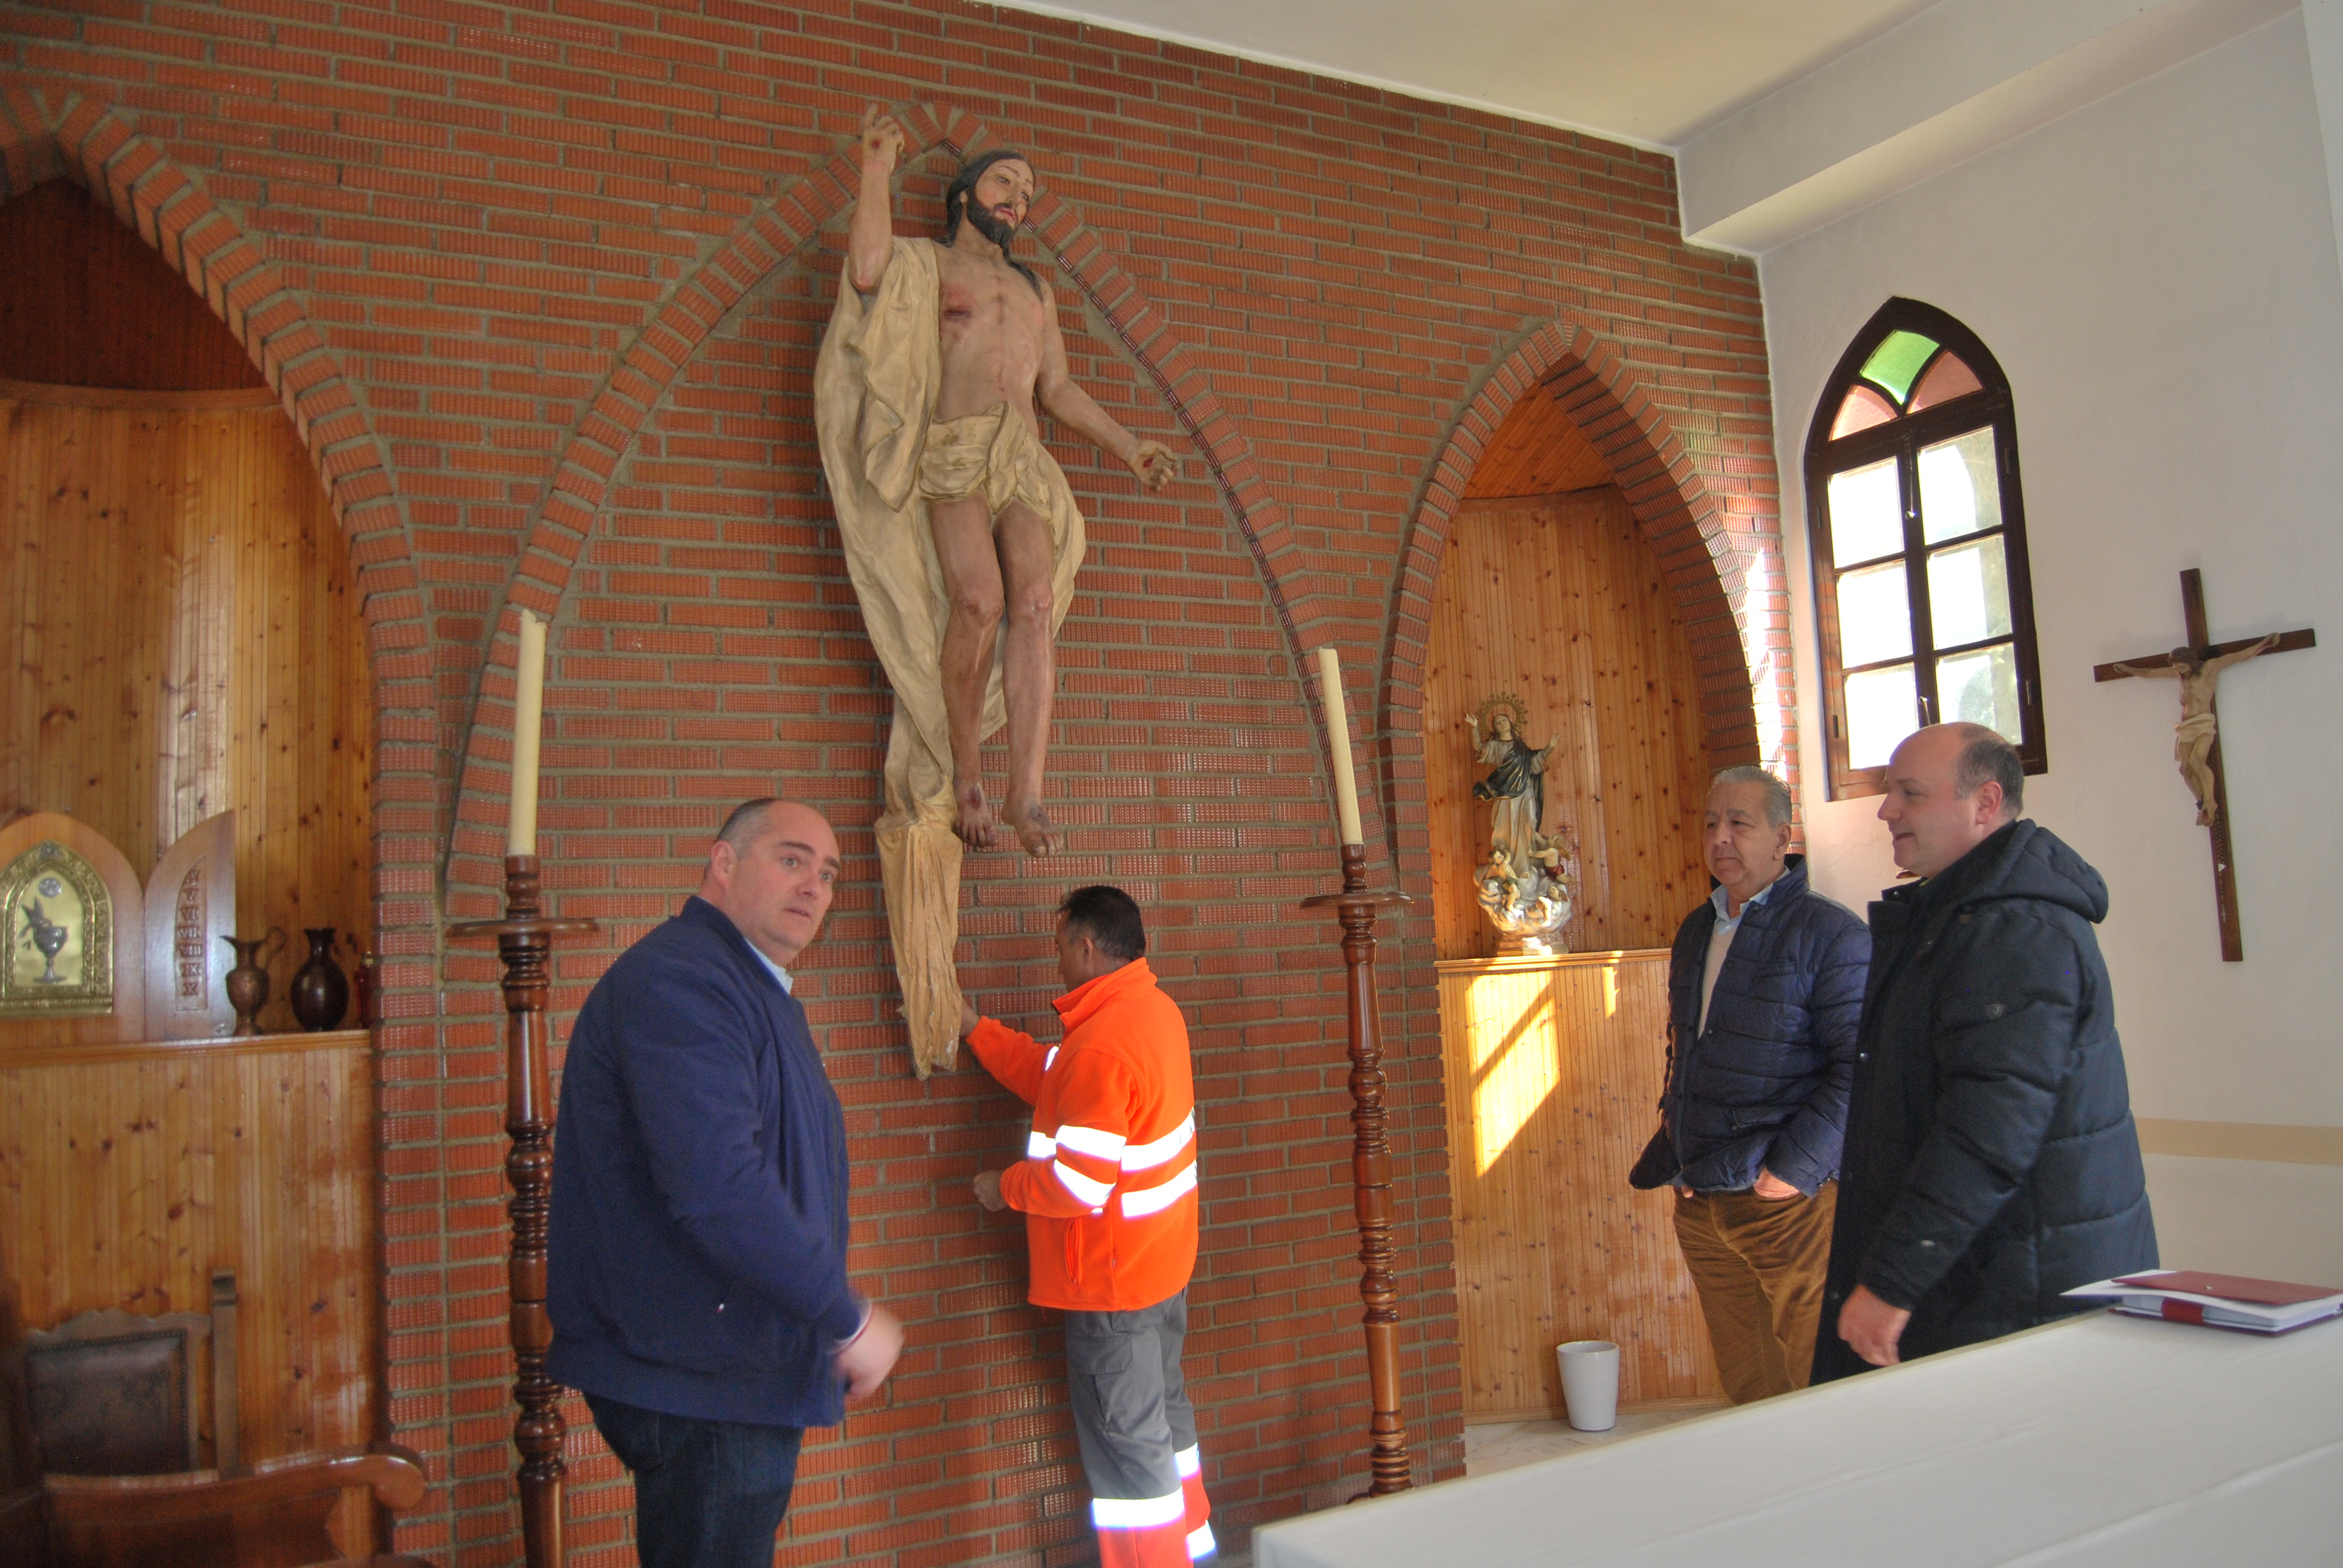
(1765, 992)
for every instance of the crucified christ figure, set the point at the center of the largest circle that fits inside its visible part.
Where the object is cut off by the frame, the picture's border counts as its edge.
(997, 509)
(2192, 737)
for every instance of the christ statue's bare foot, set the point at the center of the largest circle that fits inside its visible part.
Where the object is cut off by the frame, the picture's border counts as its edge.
(1040, 837)
(976, 826)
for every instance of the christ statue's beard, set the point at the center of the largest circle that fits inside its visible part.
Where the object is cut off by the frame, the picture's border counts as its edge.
(990, 226)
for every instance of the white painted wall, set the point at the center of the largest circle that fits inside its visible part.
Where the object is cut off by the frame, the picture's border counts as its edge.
(2157, 274)
(1957, 79)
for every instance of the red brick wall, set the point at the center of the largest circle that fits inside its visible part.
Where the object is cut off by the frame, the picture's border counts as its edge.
(542, 289)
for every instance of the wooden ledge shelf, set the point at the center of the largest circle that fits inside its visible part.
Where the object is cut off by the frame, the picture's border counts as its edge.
(1524, 963)
(47, 1054)
(121, 397)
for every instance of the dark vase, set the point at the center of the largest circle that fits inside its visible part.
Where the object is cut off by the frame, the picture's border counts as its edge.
(321, 993)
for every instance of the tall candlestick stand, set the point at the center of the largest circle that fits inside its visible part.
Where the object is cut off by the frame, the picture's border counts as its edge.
(524, 940)
(1371, 1169)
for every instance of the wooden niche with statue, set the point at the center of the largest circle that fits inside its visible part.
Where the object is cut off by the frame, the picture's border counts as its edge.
(186, 757)
(1565, 769)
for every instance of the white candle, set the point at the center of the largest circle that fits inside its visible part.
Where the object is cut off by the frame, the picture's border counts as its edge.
(1337, 736)
(529, 722)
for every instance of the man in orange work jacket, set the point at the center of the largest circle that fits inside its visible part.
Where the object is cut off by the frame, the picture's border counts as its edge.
(1108, 1189)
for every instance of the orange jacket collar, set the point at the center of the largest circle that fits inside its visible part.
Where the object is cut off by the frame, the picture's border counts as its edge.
(1083, 1002)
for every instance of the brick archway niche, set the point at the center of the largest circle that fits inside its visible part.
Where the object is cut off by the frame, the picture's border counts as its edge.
(70, 135)
(1710, 570)
(80, 139)
(1715, 572)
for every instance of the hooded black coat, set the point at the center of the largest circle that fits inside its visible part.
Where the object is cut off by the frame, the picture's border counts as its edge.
(1991, 1161)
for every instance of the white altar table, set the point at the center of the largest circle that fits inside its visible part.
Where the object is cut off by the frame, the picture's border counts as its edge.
(2102, 1441)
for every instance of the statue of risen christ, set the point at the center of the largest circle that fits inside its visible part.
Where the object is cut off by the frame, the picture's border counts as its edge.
(955, 521)
(983, 473)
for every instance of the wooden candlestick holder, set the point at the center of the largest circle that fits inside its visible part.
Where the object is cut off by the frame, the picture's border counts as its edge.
(524, 938)
(1356, 907)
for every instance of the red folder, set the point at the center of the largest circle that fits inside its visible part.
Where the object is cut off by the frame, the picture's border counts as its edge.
(2230, 1287)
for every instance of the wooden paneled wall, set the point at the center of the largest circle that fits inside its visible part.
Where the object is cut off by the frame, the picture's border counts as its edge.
(181, 640)
(129, 1172)
(1554, 1067)
(1536, 451)
(1559, 600)
(87, 303)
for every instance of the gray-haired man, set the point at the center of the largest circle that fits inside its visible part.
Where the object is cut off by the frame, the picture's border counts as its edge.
(1765, 992)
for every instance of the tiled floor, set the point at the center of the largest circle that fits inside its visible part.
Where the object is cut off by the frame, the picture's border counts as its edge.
(1490, 1449)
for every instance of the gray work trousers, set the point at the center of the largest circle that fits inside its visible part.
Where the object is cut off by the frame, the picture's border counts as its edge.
(1131, 1403)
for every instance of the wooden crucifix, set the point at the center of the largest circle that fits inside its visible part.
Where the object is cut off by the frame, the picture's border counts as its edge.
(2196, 741)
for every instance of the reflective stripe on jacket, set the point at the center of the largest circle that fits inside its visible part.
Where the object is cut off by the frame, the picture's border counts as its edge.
(1107, 1184)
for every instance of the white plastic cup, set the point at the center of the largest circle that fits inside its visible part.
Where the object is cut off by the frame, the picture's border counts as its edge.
(1590, 1383)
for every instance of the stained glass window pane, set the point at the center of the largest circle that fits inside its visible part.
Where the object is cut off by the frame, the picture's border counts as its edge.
(1968, 593)
(1897, 360)
(1882, 706)
(1960, 493)
(1867, 513)
(1860, 410)
(1949, 377)
(1981, 687)
(1875, 618)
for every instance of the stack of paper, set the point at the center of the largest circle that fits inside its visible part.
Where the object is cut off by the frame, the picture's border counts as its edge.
(2222, 1301)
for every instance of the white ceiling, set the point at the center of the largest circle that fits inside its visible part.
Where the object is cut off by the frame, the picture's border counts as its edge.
(1650, 72)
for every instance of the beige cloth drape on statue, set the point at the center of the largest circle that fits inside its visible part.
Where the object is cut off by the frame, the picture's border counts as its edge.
(875, 388)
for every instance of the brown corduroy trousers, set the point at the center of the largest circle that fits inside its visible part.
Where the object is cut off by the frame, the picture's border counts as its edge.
(1759, 1265)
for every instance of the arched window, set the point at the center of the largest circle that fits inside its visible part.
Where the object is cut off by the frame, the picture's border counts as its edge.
(1919, 545)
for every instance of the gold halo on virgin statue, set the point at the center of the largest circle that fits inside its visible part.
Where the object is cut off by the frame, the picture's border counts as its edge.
(1514, 707)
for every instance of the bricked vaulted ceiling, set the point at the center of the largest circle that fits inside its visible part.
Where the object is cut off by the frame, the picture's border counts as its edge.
(1650, 72)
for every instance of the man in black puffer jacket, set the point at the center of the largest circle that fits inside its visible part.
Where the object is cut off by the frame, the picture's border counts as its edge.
(1991, 1159)
(1765, 989)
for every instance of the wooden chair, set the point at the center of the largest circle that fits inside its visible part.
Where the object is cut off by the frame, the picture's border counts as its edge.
(114, 1392)
(272, 1514)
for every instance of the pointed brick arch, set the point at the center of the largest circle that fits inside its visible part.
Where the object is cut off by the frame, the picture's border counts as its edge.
(652, 366)
(1710, 571)
(77, 138)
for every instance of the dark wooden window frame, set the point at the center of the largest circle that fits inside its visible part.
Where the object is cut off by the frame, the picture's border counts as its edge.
(1902, 439)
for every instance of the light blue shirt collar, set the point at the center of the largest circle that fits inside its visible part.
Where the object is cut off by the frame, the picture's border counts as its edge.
(780, 974)
(1727, 922)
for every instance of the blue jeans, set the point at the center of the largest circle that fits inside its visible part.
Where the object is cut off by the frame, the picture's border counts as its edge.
(707, 1494)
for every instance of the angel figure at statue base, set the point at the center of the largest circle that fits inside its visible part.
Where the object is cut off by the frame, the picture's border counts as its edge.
(1529, 912)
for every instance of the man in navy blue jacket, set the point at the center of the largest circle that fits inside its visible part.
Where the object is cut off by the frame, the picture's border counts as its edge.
(698, 1283)
(1765, 992)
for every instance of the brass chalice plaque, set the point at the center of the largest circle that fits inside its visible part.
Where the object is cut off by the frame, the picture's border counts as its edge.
(59, 920)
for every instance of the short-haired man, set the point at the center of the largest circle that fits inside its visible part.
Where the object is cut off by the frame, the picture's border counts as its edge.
(1991, 1159)
(1108, 1189)
(1764, 987)
(698, 1282)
